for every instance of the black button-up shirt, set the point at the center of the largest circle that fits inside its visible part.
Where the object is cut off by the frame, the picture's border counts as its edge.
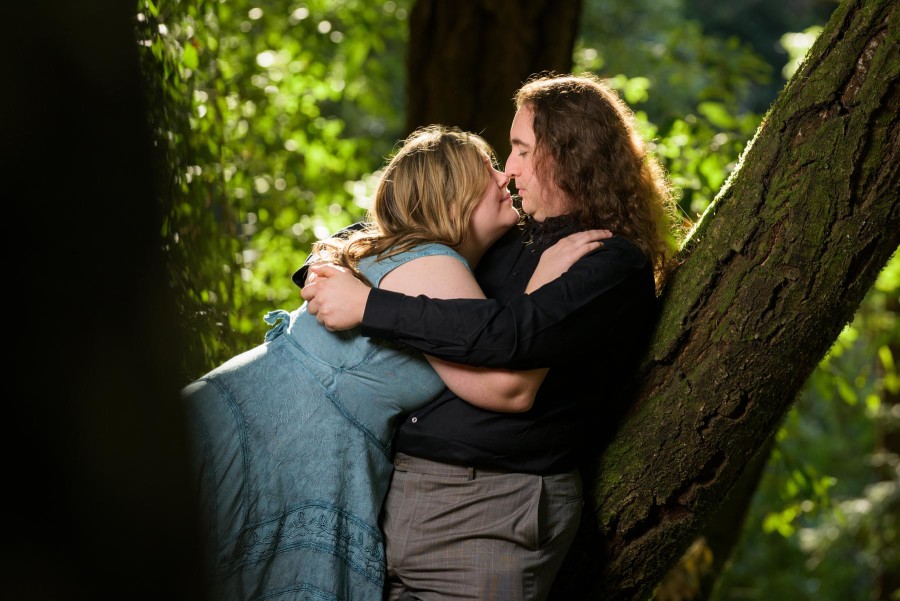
(589, 327)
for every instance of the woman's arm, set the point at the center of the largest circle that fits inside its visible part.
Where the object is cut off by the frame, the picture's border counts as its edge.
(441, 276)
(494, 388)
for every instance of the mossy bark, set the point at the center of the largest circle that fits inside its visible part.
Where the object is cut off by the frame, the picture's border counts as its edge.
(774, 270)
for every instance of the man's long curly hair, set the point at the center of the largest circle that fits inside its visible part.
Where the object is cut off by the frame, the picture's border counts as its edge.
(586, 140)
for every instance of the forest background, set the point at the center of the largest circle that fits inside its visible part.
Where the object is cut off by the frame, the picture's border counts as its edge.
(270, 121)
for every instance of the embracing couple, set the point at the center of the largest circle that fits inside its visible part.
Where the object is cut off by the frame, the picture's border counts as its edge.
(425, 443)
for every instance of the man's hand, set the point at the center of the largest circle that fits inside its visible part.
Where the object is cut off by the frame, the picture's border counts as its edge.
(335, 296)
(557, 259)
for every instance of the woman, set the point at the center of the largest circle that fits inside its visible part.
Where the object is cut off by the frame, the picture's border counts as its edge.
(293, 438)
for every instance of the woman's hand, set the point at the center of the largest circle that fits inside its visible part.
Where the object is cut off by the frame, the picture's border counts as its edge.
(335, 296)
(557, 259)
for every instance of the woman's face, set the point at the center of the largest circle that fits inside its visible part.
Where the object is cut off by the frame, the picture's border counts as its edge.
(494, 214)
(541, 198)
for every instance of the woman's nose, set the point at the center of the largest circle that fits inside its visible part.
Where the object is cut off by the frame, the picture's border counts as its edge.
(501, 178)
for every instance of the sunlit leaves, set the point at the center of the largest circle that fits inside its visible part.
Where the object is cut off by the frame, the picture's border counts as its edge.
(782, 521)
(635, 90)
(189, 57)
(797, 45)
(692, 87)
(259, 96)
(891, 381)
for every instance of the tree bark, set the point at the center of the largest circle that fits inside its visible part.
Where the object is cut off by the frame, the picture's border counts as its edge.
(696, 573)
(774, 270)
(467, 59)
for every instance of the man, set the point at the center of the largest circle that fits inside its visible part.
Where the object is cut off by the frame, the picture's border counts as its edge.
(484, 505)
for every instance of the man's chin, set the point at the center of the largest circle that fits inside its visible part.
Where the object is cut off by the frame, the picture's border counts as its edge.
(527, 208)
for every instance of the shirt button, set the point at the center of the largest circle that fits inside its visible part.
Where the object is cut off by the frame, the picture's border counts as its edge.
(414, 420)
(515, 274)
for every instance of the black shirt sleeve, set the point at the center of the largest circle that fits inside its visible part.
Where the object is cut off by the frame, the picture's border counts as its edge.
(534, 330)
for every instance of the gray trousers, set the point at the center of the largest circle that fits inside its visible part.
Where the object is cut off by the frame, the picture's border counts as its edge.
(456, 533)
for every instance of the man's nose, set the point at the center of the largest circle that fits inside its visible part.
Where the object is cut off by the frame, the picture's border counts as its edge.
(510, 167)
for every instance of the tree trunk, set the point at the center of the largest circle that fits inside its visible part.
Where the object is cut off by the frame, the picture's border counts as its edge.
(467, 59)
(695, 575)
(98, 488)
(775, 269)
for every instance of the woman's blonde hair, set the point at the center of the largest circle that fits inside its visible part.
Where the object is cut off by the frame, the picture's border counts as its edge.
(427, 193)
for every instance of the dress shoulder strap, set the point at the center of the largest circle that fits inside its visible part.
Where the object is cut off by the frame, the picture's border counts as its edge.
(375, 269)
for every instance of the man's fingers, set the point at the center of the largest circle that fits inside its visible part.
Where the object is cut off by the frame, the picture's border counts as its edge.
(326, 270)
(320, 270)
(322, 319)
(308, 292)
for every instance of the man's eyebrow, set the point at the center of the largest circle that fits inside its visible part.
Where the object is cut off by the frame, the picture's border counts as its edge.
(518, 142)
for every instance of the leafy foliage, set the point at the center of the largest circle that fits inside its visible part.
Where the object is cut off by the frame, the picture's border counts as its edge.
(759, 24)
(689, 90)
(272, 117)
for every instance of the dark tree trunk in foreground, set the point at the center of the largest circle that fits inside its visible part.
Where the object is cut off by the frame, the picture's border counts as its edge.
(775, 269)
(98, 499)
(467, 59)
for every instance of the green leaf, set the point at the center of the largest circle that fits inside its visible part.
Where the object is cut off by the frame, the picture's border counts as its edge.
(189, 56)
(717, 114)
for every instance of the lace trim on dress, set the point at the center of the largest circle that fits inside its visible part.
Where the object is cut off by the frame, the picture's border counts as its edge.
(312, 529)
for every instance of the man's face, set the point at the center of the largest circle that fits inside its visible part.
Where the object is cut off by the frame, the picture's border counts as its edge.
(541, 198)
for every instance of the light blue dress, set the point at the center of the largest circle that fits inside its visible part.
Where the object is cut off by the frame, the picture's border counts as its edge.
(293, 448)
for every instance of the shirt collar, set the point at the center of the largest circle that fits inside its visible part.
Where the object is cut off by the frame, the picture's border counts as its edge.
(547, 232)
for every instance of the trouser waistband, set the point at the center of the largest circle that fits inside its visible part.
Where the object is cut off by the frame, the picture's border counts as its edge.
(408, 463)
